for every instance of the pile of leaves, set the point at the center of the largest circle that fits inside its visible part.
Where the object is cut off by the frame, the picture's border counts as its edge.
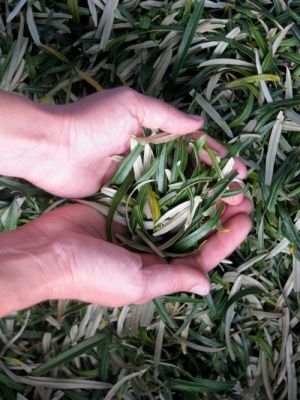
(165, 195)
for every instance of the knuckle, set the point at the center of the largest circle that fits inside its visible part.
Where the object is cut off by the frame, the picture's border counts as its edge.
(128, 93)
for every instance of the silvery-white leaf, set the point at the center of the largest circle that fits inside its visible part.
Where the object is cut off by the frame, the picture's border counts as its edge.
(172, 223)
(263, 84)
(228, 167)
(272, 148)
(93, 11)
(291, 370)
(160, 68)
(159, 342)
(211, 85)
(280, 38)
(208, 108)
(32, 26)
(109, 192)
(173, 212)
(111, 394)
(290, 126)
(148, 44)
(19, 51)
(106, 23)
(138, 164)
(296, 272)
(288, 84)
(148, 156)
(168, 173)
(16, 10)
(127, 208)
(197, 201)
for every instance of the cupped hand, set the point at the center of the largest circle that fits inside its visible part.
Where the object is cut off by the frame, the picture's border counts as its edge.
(82, 265)
(98, 127)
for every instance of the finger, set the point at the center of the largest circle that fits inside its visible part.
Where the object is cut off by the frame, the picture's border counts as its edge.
(237, 198)
(240, 167)
(156, 114)
(162, 279)
(220, 244)
(245, 207)
(221, 151)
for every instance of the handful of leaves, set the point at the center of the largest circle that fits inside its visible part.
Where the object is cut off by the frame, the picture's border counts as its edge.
(166, 195)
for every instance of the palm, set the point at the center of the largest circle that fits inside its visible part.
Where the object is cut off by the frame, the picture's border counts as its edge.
(93, 270)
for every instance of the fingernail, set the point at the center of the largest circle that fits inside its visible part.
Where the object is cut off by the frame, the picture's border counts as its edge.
(202, 290)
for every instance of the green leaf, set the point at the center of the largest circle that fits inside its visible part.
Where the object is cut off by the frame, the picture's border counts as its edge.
(268, 63)
(245, 114)
(259, 341)
(252, 79)
(137, 218)
(218, 190)
(289, 230)
(259, 40)
(239, 295)
(149, 173)
(137, 209)
(161, 174)
(199, 385)
(164, 313)
(191, 240)
(283, 175)
(9, 217)
(180, 158)
(74, 10)
(70, 354)
(277, 105)
(6, 381)
(118, 197)
(144, 22)
(215, 161)
(126, 166)
(187, 38)
(294, 57)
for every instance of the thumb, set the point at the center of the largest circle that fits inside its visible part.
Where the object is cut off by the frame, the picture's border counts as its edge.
(161, 279)
(156, 114)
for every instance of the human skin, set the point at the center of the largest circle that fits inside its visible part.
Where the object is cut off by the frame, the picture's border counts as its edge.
(67, 151)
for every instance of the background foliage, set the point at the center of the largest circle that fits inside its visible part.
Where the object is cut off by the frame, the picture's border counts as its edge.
(237, 63)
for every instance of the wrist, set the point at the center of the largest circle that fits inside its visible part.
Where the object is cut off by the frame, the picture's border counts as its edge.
(27, 275)
(31, 134)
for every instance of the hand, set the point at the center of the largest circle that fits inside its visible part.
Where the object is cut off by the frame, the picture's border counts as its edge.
(94, 129)
(64, 255)
(67, 149)
(100, 126)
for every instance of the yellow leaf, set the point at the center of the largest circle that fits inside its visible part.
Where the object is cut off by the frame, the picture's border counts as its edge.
(89, 79)
(154, 205)
(56, 53)
(252, 79)
(46, 99)
(74, 10)
(123, 81)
